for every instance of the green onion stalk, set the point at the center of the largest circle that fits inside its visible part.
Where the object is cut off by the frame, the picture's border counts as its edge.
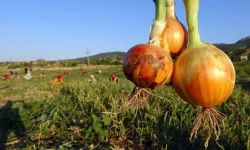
(159, 22)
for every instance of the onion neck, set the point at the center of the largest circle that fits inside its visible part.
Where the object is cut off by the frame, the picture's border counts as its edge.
(170, 12)
(160, 10)
(192, 9)
(158, 23)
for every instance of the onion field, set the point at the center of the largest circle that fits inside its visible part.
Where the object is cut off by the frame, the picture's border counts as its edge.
(82, 115)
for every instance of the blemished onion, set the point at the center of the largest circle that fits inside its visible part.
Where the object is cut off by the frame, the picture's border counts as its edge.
(174, 36)
(148, 65)
(203, 75)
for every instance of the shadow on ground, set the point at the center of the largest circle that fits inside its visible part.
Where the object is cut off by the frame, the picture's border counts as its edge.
(10, 121)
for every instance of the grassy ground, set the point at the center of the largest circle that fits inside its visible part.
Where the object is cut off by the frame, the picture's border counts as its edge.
(88, 116)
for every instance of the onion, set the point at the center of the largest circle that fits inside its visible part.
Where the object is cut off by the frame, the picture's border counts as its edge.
(148, 65)
(174, 36)
(203, 75)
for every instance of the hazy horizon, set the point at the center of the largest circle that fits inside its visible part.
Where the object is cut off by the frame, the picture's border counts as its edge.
(59, 59)
(54, 30)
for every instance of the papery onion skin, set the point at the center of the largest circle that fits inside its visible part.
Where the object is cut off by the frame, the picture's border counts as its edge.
(174, 36)
(204, 76)
(147, 66)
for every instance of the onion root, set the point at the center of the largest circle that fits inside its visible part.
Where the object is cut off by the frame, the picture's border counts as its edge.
(138, 98)
(209, 118)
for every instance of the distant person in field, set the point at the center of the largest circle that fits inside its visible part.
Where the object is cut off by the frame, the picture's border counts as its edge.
(113, 78)
(57, 81)
(99, 71)
(42, 75)
(28, 76)
(92, 79)
(26, 69)
(15, 76)
(11, 73)
(84, 73)
(67, 72)
(5, 76)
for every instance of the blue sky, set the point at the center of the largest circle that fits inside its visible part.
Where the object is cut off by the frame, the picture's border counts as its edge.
(60, 29)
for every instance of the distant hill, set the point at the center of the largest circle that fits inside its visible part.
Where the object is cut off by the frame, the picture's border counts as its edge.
(235, 50)
(103, 55)
(242, 44)
(245, 42)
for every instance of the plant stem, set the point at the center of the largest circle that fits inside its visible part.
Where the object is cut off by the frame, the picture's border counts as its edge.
(192, 8)
(159, 22)
(170, 9)
(160, 10)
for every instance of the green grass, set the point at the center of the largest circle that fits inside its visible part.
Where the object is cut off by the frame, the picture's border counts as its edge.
(85, 115)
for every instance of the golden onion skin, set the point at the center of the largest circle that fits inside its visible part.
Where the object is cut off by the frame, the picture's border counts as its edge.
(203, 76)
(147, 66)
(174, 36)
